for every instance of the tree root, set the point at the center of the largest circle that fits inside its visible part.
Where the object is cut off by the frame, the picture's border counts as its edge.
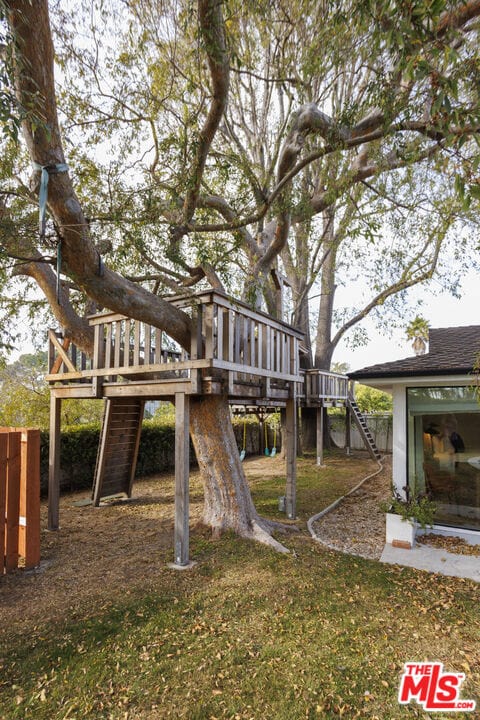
(276, 526)
(261, 535)
(259, 530)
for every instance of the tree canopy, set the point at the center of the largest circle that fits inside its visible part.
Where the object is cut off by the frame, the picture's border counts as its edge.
(311, 137)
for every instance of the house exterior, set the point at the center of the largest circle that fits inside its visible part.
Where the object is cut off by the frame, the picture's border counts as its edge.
(436, 425)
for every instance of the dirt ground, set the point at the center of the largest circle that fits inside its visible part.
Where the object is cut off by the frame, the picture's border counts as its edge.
(357, 524)
(97, 553)
(100, 554)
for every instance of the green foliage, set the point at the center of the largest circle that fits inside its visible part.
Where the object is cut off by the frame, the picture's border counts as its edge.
(418, 328)
(164, 413)
(414, 505)
(79, 446)
(341, 368)
(371, 400)
(9, 116)
(143, 96)
(25, 396)
(157, 447)
(78, 454)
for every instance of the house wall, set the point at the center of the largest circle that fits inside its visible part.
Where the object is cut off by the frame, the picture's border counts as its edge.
(399, 431)
(398, 388)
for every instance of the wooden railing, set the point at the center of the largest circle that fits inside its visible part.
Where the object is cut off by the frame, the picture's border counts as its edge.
(228, 336)
(238, 339)
(323, 385)
(122, 345)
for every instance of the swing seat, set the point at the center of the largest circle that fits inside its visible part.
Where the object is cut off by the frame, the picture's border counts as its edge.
(273, 452)
(267, 452)
(242, 455)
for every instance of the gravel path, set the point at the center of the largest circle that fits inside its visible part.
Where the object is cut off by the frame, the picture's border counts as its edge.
(357, 524)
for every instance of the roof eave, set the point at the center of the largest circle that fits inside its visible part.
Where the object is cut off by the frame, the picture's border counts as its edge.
(427, 372)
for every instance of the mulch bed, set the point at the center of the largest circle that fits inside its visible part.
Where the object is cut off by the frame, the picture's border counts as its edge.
(357, 524)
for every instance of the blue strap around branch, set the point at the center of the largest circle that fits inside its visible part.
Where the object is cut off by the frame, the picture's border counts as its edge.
(43, 192)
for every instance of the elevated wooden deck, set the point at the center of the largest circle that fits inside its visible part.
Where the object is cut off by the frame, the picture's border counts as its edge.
(247, 356)
(234, 350)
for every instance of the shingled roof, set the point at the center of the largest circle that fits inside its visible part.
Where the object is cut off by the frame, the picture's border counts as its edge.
(451, 351)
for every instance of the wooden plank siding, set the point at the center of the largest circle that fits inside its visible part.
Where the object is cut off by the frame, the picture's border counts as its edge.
(19, 498)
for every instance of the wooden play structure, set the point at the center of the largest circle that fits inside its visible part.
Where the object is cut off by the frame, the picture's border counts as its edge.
(246, 354)
(19, 498)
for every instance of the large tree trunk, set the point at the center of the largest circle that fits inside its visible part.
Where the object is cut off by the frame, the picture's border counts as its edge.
(323, 342)
(323, 346)
(228, 502)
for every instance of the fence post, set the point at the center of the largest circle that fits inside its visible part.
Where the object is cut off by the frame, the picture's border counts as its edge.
(12, 500)
(291, 457)
(3, 498)
(182, 470)
(54, 462)
(29, 521)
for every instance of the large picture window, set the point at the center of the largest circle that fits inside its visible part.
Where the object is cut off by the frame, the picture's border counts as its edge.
(444, 451)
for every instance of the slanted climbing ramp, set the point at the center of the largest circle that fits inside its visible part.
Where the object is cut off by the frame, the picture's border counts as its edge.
(118, 447)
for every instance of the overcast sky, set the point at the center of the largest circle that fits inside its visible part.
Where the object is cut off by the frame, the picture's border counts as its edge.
(441, 311)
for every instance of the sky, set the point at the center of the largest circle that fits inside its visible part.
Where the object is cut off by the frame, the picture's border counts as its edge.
(442, 310)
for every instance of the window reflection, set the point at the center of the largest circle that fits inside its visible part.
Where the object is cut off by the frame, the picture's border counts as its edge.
(444, 451)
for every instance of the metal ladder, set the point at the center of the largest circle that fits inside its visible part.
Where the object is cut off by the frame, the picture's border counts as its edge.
(364, 430)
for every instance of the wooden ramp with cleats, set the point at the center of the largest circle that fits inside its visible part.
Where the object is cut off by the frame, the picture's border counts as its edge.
(118, 448)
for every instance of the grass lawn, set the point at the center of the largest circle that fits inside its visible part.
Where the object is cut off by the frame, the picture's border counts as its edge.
(246, 633)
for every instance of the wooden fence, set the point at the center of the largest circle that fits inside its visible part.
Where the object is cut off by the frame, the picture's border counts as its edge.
(19, 497)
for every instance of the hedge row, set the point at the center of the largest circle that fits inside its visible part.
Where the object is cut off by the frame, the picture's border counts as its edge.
(79, 444)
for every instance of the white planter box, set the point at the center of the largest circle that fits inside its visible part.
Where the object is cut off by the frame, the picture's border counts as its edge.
(400, 532)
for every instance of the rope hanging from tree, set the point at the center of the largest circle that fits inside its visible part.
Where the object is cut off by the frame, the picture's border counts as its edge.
(45, 171)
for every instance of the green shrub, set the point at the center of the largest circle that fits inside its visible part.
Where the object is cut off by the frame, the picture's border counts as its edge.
(79, 447)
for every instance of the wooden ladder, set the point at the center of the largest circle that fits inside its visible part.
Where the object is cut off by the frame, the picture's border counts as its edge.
(118, 448)
(364, 430)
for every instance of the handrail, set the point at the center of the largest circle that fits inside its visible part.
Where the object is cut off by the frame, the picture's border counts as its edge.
(229, 337)
(325, 385)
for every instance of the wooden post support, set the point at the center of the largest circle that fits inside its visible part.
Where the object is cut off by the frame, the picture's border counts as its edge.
(3, 498)
(320, 411)
(182, 472)
(291, 457)
(54, 463)
(348, 430)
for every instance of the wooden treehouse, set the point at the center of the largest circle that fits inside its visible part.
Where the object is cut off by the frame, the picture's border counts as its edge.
(248, 355)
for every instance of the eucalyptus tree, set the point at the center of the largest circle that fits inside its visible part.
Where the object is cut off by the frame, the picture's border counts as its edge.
(353, 206)
(210, 182)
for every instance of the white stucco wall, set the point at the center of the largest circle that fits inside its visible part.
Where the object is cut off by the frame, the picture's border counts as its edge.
(399, 457)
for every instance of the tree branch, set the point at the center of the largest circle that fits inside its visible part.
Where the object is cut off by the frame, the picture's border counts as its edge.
(29, 23)
(213, 35)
